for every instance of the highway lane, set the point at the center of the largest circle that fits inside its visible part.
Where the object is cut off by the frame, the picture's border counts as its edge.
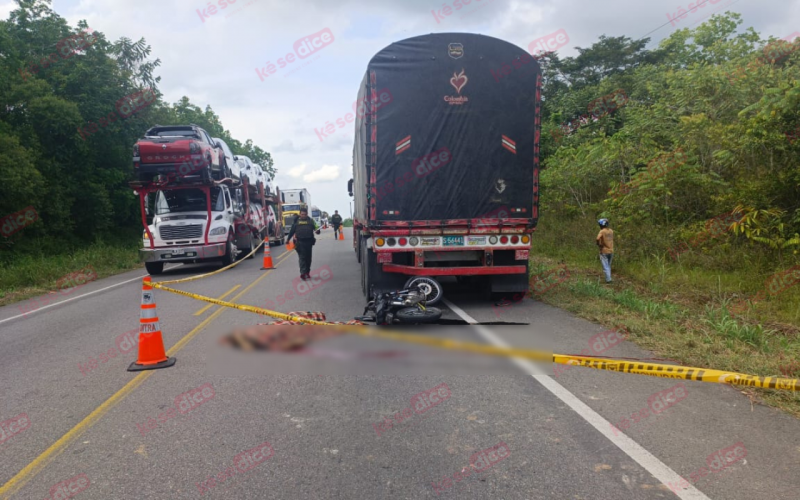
(322, 429)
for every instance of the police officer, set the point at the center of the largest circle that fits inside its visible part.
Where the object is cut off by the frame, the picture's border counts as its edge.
(303, 231)
(336, 220)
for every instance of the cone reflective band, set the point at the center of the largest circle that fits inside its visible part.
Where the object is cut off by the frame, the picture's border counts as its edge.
(267, 255)
(151, 346)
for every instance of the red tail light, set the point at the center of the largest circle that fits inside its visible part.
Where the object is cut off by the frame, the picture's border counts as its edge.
(403, 241)
(515, 239)
(504, 239)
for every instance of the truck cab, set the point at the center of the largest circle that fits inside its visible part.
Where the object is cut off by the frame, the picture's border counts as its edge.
(190, 223)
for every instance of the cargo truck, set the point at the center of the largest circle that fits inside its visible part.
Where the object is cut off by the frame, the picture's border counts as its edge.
(292, 200)
(446, 164)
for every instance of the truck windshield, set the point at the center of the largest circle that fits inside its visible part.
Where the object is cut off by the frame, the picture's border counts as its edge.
(316, 214)
(188, 200)
(291, 208)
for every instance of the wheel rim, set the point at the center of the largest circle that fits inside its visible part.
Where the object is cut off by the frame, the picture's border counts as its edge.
(431, 289)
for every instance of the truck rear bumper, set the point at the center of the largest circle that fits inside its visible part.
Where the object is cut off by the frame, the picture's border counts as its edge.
(454, 271)
(212, 251)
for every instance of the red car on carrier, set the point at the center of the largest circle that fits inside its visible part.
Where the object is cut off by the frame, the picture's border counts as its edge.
(179, 152)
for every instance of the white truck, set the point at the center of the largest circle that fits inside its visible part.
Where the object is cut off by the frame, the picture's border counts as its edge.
(204, 220)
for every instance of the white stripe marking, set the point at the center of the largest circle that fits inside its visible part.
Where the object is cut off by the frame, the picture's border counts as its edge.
(75, 298)
(647, 460)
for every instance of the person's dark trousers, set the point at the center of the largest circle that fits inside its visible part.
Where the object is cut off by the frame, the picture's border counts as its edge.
(304, 247)
(336, 230)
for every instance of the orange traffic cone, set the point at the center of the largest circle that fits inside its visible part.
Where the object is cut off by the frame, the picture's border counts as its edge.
(267, 256)
(151, 345)
(341, 235)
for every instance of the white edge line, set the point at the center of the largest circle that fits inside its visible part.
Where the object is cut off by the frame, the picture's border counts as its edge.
(73, 298)
(647, 460)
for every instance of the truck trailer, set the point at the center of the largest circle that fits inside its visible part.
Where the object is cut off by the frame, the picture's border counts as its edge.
(193, 218)
(446, 164)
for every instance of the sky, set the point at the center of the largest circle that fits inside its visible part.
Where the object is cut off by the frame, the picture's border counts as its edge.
(220, 56)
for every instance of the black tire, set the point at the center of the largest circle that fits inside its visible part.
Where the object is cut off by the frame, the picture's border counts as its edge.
(416, 315)
(230, 251)
(253, 245)
(363, 247)
(431, 287)
(154, 268)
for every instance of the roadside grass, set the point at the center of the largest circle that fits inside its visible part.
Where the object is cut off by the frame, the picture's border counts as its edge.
(32, 275)
(681, 310)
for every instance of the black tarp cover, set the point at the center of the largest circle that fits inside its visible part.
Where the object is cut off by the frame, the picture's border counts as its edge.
(468, 100)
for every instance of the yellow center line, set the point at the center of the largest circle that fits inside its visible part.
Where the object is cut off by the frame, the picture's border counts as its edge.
(206, 308)
(22, 477)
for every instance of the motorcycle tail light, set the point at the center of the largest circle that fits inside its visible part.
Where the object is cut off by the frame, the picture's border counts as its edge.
(504, 239)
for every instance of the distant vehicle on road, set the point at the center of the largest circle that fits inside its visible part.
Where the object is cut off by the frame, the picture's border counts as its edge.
(293, 200)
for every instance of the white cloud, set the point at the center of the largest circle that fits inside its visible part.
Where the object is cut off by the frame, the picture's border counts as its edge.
(326, 173)
(296, 171)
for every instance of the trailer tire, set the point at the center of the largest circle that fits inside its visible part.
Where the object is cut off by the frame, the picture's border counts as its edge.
(154, 268)
(363, 246)
(252, 246)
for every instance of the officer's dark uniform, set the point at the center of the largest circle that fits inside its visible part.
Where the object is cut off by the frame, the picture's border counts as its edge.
(304, 230)
(336, 220)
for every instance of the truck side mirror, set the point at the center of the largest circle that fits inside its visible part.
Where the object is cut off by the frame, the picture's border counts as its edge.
(350, 187)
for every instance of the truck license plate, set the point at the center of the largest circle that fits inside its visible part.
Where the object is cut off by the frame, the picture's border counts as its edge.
(178, 251)
(453, 241)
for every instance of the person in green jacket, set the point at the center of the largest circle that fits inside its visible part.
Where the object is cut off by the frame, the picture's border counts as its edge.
(336, 221)
(303, 231)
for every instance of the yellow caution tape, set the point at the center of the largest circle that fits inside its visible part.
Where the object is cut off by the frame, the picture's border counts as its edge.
(679, 372)
(635, 367)
(200, 276)
(373, 332)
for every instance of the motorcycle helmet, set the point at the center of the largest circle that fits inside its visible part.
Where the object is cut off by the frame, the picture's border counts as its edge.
(603, 222)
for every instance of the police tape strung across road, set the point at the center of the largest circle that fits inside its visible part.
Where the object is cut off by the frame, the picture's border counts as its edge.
(635, 367)
(680, 372)
(212, 273)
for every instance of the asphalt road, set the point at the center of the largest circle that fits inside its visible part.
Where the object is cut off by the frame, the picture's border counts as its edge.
(108, 433)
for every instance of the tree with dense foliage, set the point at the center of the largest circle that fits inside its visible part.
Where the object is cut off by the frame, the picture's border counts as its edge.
(66, 130)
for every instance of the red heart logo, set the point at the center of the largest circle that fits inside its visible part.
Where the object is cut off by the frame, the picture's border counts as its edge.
(458, 81)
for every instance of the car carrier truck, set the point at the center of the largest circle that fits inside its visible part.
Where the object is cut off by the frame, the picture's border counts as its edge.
(446, 164)
(190, 217)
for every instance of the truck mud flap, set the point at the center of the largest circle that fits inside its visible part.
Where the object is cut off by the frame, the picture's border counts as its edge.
(509, 283)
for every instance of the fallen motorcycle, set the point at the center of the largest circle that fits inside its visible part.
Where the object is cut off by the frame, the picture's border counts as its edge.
(403, 306)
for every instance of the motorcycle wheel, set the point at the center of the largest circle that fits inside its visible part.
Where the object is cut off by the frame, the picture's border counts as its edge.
(416, 315)
(429, 286)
